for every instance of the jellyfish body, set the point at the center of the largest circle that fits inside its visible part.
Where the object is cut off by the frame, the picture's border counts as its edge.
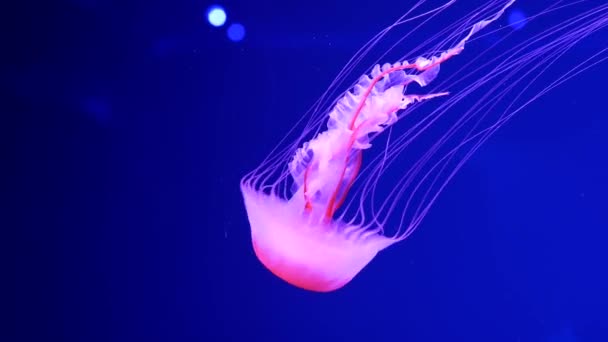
(313, 255)
(298, 237)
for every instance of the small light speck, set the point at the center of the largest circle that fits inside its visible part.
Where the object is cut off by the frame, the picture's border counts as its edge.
(216, 16)
(236, 32)
(517, 19)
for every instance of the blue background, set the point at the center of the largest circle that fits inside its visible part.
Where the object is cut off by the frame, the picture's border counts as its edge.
(130, 123)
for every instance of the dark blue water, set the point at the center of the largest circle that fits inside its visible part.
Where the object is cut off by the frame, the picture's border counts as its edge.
(129, 125)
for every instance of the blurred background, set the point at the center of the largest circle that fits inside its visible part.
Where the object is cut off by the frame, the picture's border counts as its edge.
(128, 124)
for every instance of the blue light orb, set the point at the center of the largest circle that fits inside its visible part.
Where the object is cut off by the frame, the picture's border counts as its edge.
(236, 32)
(216, 16)
(517, 19)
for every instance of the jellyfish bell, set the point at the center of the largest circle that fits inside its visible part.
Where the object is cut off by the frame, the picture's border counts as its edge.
(315, 255)
(295, 199)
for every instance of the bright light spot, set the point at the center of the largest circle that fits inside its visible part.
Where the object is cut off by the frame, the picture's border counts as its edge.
(216, 16)
(236, 32)
(517, 19)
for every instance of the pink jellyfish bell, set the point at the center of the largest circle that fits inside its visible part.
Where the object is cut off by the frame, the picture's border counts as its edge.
(312, 226)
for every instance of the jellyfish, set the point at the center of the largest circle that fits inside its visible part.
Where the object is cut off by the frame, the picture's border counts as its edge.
(316, 211)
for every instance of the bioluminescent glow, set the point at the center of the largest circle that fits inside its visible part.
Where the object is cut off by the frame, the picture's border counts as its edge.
(216, 15)
(236, 32)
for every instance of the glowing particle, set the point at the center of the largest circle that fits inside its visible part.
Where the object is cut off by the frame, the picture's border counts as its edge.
(236, 32)
(216, 16)
(517, 19)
